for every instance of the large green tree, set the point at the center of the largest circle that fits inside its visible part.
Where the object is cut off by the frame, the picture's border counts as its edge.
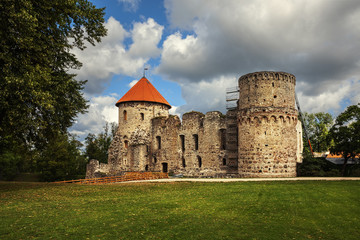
(345, 134)
(38, 95)
(97, 146)
(61, 159)
(318, 126)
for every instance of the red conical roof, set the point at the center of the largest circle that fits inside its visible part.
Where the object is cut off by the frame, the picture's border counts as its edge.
(143, 91)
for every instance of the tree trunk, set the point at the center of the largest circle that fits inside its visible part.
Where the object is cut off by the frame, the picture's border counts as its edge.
(344, 167)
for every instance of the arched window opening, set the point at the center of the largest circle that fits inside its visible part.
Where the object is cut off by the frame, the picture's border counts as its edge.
(125, 115)
(142, 116)
(126, 143)
(158, 140)
(196, 141)
(199, 161)
(224, 161)
(183, 163)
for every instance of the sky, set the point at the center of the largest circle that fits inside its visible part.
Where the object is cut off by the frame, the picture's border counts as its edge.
(195, 49)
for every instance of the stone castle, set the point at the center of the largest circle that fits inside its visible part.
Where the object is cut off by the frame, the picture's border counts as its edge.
(261, 137)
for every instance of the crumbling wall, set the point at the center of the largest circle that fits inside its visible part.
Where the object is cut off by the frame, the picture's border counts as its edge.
(192, 147)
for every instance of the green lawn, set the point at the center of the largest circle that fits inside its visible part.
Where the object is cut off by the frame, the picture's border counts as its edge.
(243, 210)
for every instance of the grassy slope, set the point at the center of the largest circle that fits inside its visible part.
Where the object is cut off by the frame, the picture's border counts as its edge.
(246, 210)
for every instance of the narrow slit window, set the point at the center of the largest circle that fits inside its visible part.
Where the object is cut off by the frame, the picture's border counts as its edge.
(125, 115)
(196, 141)
(222, 139)
(142, 116)
(183, 163)
(182, 139)
(224, 161)
(158, 140)
(199, 161)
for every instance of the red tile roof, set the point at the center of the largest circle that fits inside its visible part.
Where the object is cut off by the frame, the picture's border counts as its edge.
(143, 91)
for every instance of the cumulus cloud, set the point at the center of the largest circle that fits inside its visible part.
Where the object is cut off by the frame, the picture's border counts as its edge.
(111, 56)
(317, 41)
(102, 109)
(206, 96)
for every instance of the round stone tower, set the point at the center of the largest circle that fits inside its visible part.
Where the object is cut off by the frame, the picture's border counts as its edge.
(267, 120)
(136, 109)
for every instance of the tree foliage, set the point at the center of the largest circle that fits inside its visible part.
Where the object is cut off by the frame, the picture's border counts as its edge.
(39, 97)
(318, 126)
(97, 146)
(61, 159)
(345, 134)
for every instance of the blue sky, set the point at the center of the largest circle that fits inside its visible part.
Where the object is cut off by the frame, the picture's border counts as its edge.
(195, 49)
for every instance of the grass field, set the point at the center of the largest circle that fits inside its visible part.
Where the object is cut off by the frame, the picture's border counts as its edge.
(242, 210)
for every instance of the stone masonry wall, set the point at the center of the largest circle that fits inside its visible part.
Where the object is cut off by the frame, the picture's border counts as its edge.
(130, 146)
(267, 121)
(191, 148)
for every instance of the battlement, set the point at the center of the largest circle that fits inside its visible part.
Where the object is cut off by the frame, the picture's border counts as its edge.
(269, 75)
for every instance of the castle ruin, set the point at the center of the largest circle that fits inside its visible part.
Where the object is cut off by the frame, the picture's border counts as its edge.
(261, 137)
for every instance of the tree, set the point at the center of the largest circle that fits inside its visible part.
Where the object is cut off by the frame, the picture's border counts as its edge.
(97, 146)
(62, 159)
(39, 97)
(318, 126)
(345, 134)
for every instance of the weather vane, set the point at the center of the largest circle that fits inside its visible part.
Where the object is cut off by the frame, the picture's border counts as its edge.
(145, 70)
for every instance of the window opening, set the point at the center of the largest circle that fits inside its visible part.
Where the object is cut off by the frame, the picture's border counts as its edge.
(142, 116)
(182, 138)
(147, 167)
(224, 161)
(196, 141)
(155, 160)
(158, 140)
(125, 115)
(199, 161)
(222, 139)
(126, 143)
(183, 162)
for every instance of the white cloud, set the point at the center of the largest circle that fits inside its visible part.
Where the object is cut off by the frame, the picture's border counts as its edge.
(146, 36)
(130, 5)
(132, 83)
(318, 41)
(102, 109)
(111, 57)
(206, 96)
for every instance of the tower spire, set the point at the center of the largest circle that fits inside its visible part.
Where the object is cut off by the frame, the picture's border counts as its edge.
(144, 71)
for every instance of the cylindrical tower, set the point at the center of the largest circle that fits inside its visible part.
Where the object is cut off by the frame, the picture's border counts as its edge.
(137, 108)
(267, 121)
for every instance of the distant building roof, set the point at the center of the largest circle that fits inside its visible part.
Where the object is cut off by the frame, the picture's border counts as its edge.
(338, 159)
(143, 91)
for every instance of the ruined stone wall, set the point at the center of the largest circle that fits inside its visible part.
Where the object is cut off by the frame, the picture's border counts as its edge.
(231, 159)
(164, 148)
(267, 121)
(191, 148)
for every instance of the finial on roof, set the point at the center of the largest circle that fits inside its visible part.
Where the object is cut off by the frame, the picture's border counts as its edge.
(145, 70)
